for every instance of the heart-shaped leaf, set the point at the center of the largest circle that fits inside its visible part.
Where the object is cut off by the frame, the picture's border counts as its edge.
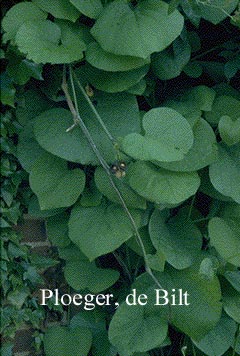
(90, 8)
(224, 105)
(229, 130)
(133, 330)
(54, 184)
(161, 186)
(18, 15)
(168, 137)
(132, 199)
(62, 341)
(61, 9)
(219, 339)
(178, 239)
(82, 275)
(101, 229)
(203, 152)
(112, 82)
(106, 61)
(137, 32)
(224, 236)
(50, 128)
(225, 172)
(39, 40)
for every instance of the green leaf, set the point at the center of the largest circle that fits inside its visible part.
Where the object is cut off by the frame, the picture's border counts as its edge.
(110, 62)
(229, 130)
(18, 296)
(178, 239)
(223, 105)
(18, 15)
(50, 128)
(100, 230)
(168, 137)
(28, 149)
(57, 230)
(35, 211)
(132, 199)
(90, 8)
(231, 301)
(112, 82)
(21, 70)
(91, 196)
(60, 9)
(224, 236)
(217, 10)
(82, 275)
(161, 186)
(169, 63)
(225, 172)
(233, 278)
(205, 308)
(193, 70)
(201, 97)
(137, 32)
(62, 341)
(55, 185)
(7, 90)
(132, 329)
(48, 42)
(219, 339)
(203, 152)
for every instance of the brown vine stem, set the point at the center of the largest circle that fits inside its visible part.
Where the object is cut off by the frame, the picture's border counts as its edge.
(78, 120)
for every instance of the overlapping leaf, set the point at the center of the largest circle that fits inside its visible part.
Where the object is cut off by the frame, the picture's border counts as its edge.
(49, 42)
(161, 186)
(100, 230)
(50, 128)
(61, 9)
(178, 239)
(168, 137)
(55, 185)
(137, 32)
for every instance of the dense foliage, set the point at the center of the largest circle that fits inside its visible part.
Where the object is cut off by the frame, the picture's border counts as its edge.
(125, 118)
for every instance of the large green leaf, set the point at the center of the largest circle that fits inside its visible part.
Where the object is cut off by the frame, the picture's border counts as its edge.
(106, 61)
(48, 42)
(18, 15)
(223, 105)
(62, 341)
(50, 128)
(229, 130)
(137, 32)
(112, 82)
(133, 329)
(217, 10)
(178, 239)
(28, 149)
(57, 230)
(225, 172)
(82, 275)
(224, 236)
(202, 153)
(169, 63)
(204, 310)
(100, 230)
(131, 198)
(231, 301)
(60, 9)
(161, 186)
(54, 184)
(219, 339)
(90, 8)
(168, 137)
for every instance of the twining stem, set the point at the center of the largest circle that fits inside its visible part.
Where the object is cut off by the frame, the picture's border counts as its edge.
(93, 108)
(78, 120)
